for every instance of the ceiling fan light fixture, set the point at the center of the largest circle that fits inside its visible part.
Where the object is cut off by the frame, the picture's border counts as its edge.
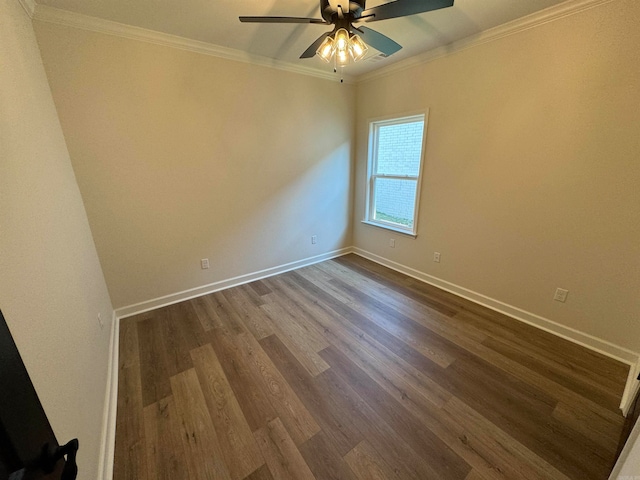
(326, 49)
(342, 39)
(343, 46)
(357, 47)
(342, 57)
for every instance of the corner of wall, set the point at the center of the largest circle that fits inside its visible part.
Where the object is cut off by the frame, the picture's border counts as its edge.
(107, 450)
(631, 388)
(598, 345)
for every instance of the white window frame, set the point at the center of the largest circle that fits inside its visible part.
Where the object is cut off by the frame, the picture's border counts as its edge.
(374, 126)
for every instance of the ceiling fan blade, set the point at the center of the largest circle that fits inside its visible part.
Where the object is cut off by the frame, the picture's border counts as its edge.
(311, 51)
(402, 8)
(379, 41)
(282, 20)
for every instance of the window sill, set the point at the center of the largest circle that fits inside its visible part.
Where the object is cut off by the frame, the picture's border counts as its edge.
(390, 227)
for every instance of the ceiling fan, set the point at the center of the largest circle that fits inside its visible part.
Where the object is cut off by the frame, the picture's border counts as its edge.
(343, 43)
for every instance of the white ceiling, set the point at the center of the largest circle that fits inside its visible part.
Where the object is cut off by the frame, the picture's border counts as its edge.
(216, 22)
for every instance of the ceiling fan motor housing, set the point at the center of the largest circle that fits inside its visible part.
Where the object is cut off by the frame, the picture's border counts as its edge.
(352, 8)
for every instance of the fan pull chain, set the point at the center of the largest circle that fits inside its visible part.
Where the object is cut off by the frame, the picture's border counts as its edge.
(335, 68)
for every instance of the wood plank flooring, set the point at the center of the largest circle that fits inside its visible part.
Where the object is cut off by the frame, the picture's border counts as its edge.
(348, 370)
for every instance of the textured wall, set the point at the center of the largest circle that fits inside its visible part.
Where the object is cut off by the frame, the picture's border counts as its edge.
(51, 284)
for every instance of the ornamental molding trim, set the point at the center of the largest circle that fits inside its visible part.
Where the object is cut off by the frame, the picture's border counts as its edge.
(537, 19)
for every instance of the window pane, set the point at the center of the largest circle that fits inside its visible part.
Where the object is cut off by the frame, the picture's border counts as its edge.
(400, 148)
(395, 201)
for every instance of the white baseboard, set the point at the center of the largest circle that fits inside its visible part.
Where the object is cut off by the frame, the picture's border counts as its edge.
(154, 303)
(105, 468)
(601, 346)
(630, 389)
(589, 341)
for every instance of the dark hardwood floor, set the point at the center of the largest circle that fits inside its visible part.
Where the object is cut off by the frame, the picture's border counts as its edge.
(349, 370)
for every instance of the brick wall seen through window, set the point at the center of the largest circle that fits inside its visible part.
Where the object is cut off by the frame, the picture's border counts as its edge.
(394, 172)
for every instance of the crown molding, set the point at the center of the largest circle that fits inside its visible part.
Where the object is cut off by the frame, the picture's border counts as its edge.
(551, 14)
(29, 6)
(67, 18)
(45, 13)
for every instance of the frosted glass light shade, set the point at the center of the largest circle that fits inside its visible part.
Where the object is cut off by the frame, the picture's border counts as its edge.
(357, 47)
(326, 49)
(344, 46)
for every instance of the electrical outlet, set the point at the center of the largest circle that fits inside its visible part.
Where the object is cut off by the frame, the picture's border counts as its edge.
(100, 320)
(436, 257)
(204, 263)
(314, 239)
(561, 295)
(392, 242)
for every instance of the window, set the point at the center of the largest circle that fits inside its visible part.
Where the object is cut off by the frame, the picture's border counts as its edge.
(395, 163)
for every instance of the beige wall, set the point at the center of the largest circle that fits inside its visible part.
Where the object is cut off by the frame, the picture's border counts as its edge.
(181, 156)
(531, 181)
(51, 284)
(530, 177)
(532, 173)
